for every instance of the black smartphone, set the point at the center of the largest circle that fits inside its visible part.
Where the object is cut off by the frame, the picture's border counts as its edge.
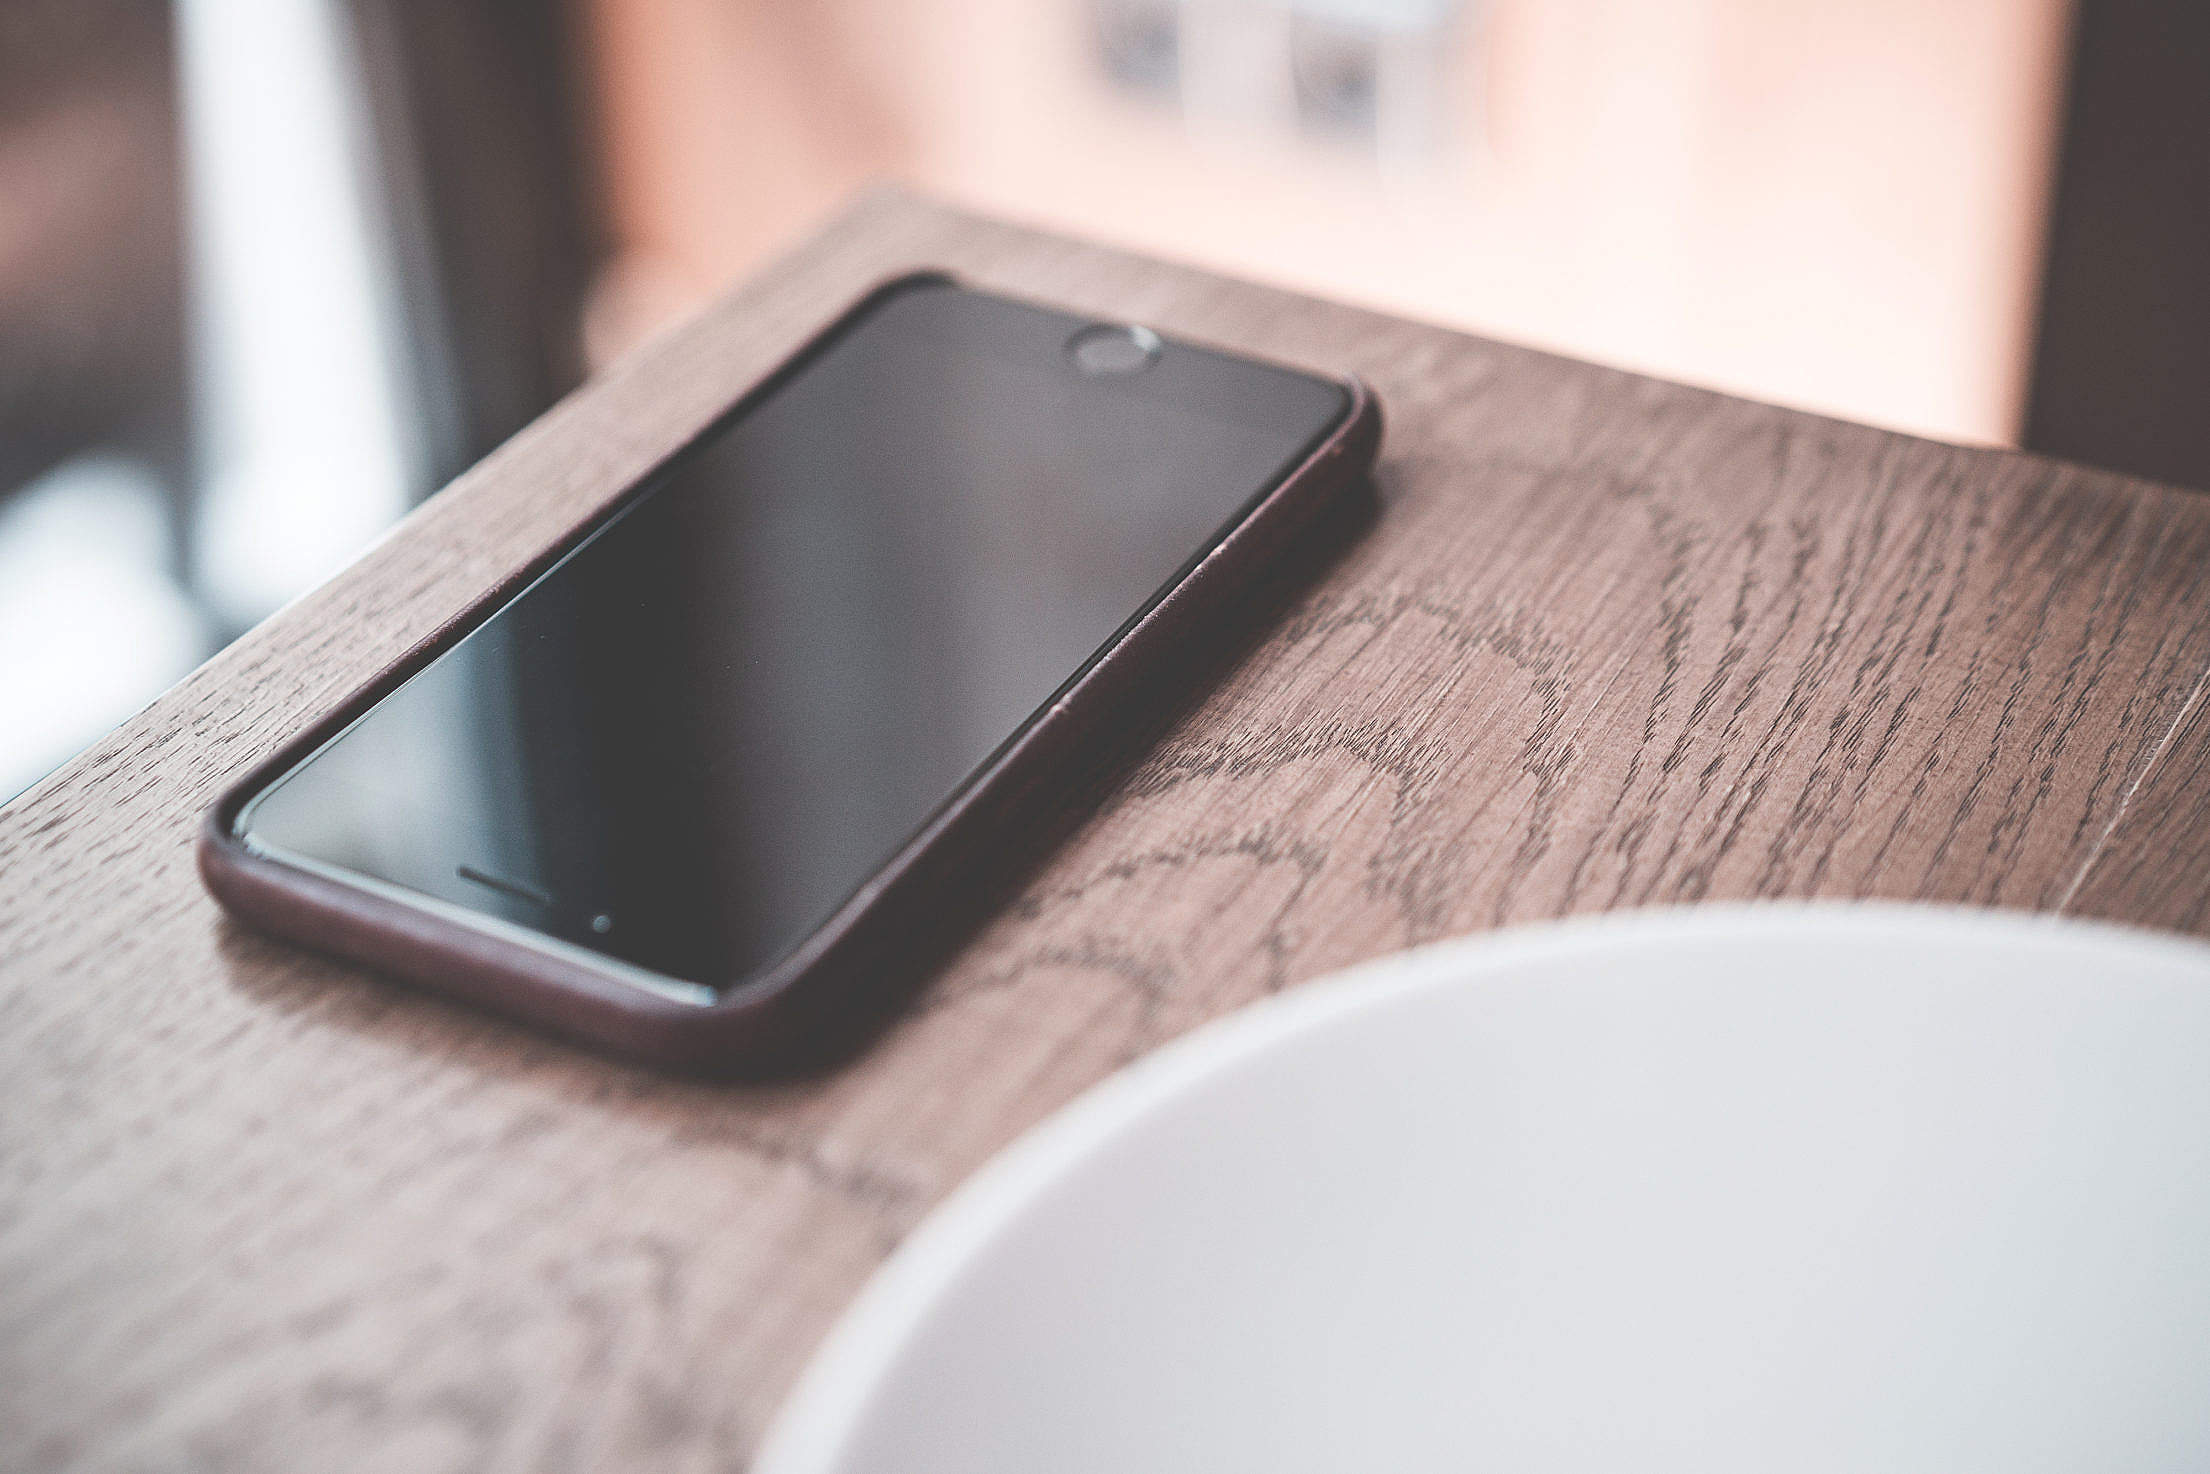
(693, 791)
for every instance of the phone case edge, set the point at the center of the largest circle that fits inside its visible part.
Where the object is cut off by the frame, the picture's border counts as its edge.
(833, 992)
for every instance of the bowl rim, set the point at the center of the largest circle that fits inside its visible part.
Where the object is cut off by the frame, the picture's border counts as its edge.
(829, 1401)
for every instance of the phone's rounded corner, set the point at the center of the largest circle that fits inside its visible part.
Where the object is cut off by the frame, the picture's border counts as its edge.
(905, 282)
(219, 848)
(774, 1028)
(1362, 418)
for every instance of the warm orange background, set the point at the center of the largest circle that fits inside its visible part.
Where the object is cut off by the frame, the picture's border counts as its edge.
(1835, 205)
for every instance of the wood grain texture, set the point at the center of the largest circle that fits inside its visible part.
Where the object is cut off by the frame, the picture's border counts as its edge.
(1611, 642)
(2153, 867)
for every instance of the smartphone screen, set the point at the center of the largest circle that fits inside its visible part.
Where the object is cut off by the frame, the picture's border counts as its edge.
(690, 740)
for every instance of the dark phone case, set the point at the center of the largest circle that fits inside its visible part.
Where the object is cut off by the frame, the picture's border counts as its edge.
(832, 991)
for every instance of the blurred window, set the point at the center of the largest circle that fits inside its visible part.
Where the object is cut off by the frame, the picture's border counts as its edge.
(270, 271)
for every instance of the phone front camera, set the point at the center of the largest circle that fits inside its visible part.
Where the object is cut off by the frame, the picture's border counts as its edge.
(1104, 349)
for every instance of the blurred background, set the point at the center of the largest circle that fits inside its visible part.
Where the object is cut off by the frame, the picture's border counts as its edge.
(273, 270)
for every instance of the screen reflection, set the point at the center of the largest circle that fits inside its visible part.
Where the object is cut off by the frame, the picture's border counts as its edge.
(692, 739)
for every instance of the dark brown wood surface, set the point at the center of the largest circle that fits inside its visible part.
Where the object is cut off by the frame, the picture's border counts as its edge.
(1611, 642)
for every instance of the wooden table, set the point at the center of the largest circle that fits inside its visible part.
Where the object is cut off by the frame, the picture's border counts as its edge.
(1611, 642)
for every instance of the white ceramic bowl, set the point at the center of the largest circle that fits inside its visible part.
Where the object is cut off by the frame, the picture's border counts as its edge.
(1724, 1189)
